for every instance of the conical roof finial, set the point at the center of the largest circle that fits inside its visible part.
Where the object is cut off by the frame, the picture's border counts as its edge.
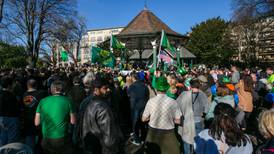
(145, 8)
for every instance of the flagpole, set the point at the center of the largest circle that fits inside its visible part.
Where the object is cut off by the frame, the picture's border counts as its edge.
(153, 43)
(123, 55)
(160, 46)
(122, 59)
(110, 44)
(183, 64)
(91, 54)
(161, 40)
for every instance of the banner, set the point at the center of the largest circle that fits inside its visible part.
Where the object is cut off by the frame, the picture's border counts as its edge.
(64, 56)
(104, 57)
(165, 45)
(115, 44)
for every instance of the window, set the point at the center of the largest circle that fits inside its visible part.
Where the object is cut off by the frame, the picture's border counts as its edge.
(87, 52)
(93, 39)
(86, 57)
(106, 37)
(99, 38)
(115, 31)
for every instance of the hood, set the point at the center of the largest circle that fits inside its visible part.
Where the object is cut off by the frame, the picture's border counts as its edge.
(229, 99)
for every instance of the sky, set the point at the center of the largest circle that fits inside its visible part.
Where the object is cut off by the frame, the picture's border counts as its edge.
(179, 15)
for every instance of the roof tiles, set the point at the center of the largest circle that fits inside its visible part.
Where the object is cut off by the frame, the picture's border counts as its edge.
(146, 22)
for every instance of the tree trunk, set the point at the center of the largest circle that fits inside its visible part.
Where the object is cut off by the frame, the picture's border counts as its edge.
(1, 9)
(74, 60)
(77, 51)
(33, 61)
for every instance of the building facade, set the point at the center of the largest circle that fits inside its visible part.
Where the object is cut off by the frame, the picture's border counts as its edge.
(94, 37)
(89, 39)
(254, 43)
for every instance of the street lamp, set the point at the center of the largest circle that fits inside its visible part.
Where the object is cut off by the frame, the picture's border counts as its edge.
(178, 56)
(154, 45)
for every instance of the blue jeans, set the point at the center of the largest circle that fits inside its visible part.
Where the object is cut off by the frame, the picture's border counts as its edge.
(135, 117)
(30, 140)
(137, 108)
(9, 130)
(186, 148)
(198, 127)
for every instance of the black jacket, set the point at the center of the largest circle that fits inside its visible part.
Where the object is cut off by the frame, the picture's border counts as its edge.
(9, 106)
(101, 133)
(139, 95)
(77, 94)
(267, 148)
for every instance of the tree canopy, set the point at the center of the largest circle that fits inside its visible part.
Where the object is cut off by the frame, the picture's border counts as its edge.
(12, 56)
(68, 34)
(210, 41)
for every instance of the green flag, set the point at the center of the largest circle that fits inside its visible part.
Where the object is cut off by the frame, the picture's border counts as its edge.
(64, 55)
(103, 57)
(115, 44)
(165, 45)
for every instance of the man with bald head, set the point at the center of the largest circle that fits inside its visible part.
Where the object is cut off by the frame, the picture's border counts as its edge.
(55, 113)
(31, 98)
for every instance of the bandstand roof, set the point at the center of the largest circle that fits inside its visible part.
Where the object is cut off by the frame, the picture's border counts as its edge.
(146, 23)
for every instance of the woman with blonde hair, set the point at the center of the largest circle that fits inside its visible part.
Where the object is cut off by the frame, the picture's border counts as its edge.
(266, 127)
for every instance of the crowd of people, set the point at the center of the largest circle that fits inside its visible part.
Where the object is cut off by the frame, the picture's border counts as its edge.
(99, 110)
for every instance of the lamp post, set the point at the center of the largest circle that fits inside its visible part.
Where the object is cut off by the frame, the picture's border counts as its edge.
(178, 56)
(154, 45)
(183, 63)
(191, 63)
(123, 56)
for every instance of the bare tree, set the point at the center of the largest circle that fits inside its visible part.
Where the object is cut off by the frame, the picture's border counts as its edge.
(250, 20)
(245, 41)
(79, 30)
(31, 21)
(69, 35)
(51, 51)
(246, 10)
